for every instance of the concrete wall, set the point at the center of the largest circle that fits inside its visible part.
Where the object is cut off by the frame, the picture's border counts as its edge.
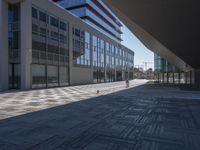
(3, 46)
(81, 76)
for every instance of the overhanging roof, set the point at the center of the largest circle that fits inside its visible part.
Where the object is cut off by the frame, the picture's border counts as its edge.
(170, 28)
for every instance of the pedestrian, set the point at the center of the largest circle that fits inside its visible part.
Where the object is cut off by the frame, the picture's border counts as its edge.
(127, 83)
(98, 91)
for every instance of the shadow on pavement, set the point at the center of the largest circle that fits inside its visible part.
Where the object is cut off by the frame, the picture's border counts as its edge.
(131, 119)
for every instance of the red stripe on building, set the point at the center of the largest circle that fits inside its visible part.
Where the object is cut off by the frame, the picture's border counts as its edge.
(96, 13)
(106, 11)
(100, 26)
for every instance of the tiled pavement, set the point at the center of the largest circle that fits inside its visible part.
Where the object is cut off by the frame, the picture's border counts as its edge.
(141, 118)
(15, 103)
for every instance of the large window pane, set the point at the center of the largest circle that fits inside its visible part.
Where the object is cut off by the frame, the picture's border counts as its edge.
(38, 76)
(64, 77)
(52, 72)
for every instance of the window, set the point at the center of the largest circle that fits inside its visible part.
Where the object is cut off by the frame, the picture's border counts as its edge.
(63, 26)
(43, 16)
(63, 38)
(52, 72)
(38, 74)
(34, 13)
(63, 75)
(77, 32)
(39, 46)
(34, 28)
(53, 49)
(54, 22)
(54, 36)
(13, 13)
(43, 31)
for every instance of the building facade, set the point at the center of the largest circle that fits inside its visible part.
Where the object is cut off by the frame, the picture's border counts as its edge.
(96, 14)
(42, 45)
(165, 72)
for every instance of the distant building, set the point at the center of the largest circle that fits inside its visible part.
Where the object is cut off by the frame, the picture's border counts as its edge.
(165, 72)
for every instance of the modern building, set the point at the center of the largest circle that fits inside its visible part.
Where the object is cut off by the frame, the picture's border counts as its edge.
(96, 14)
(165, 72)
(43, 45)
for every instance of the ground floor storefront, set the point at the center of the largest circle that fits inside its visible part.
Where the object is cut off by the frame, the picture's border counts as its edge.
(174, 77)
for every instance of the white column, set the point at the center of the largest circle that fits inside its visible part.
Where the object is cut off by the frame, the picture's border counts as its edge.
(3, 45)
(70, 54)
(26, 44)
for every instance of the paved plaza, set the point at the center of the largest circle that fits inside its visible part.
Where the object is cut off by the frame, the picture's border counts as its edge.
(141, 117)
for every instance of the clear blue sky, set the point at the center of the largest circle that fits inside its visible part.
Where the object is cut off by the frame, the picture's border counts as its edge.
(142, 54)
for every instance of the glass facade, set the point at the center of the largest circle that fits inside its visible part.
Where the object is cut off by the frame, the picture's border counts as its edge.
(50, 50)
(95, 13)
(95, 59)
(168, 73)
(14, 46)
(108, 62)
(81, 48)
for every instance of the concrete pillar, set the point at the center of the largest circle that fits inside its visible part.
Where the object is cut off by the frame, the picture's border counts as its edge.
(91, 57)
(167, 78)
(196, 79)
(26, 45)
(3, 45)
(70, 54)
(115, 65)
(179, 78)
(186, 78)
(105, 68)
(190, 78)
(163, 77)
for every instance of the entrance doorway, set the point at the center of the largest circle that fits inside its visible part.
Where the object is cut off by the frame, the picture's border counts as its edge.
(14, 76)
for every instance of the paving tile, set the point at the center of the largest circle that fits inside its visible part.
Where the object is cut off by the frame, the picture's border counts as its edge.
(77, 118)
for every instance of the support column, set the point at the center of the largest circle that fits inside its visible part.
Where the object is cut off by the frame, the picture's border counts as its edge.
(163, 78)
(196, 79)
(91, 56)
(190, 78)
(179, 78)
(71, 81)
(3, 45)
(26, 45)
(186, 78)
(105, 61)
(167, 78)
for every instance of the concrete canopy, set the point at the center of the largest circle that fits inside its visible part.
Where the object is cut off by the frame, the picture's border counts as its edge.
(170, 28)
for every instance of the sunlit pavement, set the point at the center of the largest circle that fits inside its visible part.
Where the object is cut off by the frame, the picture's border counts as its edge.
(145, 117)
(15, 103)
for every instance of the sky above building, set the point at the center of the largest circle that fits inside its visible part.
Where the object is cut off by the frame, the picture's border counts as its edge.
(142, 54)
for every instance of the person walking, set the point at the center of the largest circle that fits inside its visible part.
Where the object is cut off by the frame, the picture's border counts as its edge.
(127, 83)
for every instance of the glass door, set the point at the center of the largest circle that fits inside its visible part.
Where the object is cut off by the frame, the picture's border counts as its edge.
(14, 76)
